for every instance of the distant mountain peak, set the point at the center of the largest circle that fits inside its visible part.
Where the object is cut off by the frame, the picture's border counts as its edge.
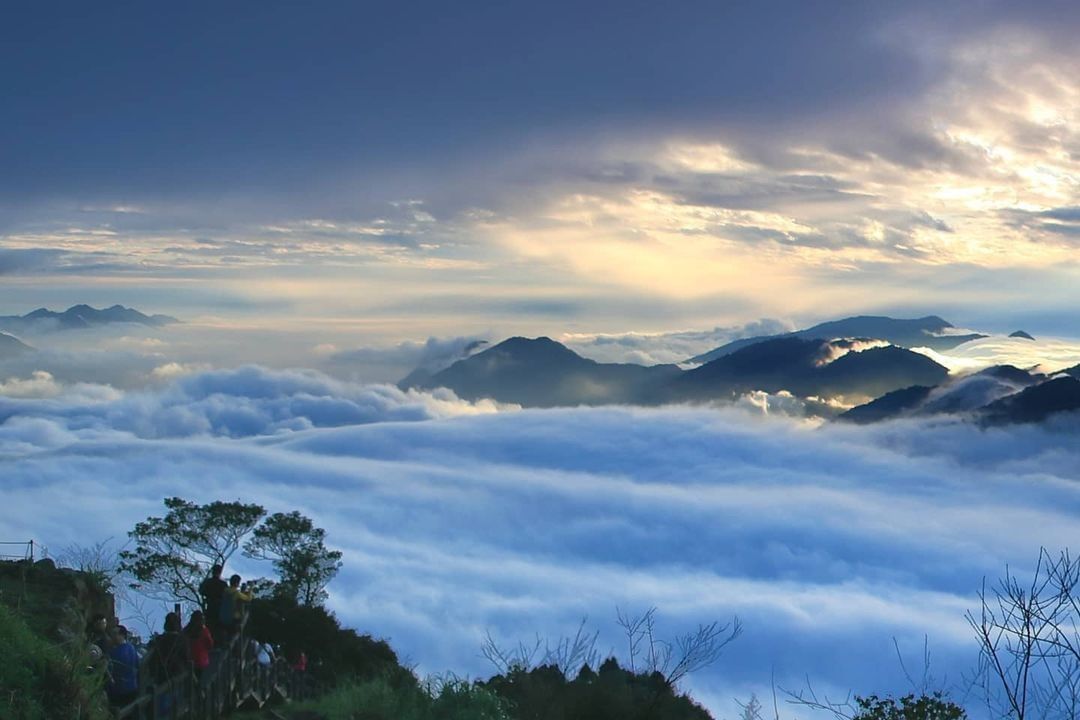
(997, 395)
(540, 350)
(928, 331)
(81, 316)
(1021, 334)
(889, 405)
(795, 364)
(540, 372)
(519, 341)
(1036, 403)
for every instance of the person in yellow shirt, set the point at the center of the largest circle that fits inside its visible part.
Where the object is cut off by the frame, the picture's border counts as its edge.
(233, 605)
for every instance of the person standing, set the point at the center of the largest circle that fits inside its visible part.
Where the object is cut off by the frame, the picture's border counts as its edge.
(123, 685)
(232, 605)
(170, 658)
(212, 589)
(200, 642)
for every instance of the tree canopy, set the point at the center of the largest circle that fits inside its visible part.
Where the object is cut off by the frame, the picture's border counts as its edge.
(173, 553)
(297, 550)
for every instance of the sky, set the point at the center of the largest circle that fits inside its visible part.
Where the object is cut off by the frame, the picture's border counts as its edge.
(521, 167)
(331, 195)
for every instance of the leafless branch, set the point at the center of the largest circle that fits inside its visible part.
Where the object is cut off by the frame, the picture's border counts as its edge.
(808, 698)
(1028, 640)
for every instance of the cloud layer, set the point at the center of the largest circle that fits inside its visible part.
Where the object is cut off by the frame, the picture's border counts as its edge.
(828, 541)
(244, 402)
(913, 155)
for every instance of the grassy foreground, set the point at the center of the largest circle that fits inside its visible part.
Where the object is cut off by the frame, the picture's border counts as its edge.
(42, 680)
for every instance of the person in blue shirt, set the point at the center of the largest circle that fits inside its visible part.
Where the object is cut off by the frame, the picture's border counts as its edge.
(123, 685)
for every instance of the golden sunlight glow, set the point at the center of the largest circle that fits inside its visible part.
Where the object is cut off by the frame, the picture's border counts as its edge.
(704, 158)
(1007, 125)
(981, 171)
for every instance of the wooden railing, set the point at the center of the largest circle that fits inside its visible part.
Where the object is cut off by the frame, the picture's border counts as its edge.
(234, 679)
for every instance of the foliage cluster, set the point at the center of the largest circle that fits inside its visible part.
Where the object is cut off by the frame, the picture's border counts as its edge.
(41, 680)
(335, 654)
(173, 553)
(542, 693)
(54, 602)
(910, 707)
(609, 693)
(384, 698)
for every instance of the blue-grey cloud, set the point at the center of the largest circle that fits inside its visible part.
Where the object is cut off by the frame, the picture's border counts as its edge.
(264, 103)
(430, 356)
(23, 260)
(268, 108)
(855, 137)
(244, 402)
(827, 541)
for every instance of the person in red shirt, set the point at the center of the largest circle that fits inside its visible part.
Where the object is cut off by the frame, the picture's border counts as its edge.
(200, 641)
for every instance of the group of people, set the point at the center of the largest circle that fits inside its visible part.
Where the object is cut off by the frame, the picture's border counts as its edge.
(225, 603)
(174, 651)
(178, 648)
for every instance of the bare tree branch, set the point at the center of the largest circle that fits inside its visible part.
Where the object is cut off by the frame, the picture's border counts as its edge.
(1029, 661)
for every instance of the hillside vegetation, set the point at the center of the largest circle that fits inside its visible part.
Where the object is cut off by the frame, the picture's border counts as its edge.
(45, 679)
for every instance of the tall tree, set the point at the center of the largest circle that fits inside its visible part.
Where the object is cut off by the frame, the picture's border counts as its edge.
(298, 552)
(172, 554)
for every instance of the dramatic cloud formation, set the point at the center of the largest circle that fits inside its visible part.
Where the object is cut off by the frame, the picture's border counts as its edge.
(1042, 354)
(827, 540)
(702, 164)
(978, 171)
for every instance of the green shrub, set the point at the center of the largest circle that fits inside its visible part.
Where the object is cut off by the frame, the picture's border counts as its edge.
(376, 699)
(909, 707)
(335, 654)
(39, 681)
(610, 693)
(386, 699)
(457, 699)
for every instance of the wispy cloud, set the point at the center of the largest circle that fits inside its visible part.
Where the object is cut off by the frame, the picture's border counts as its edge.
(659, 348)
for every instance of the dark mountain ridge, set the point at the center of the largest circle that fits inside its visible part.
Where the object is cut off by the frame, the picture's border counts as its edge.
(79, 317)
(999, 395)
(930, 331)
(890, 405)
(801, 367)
(1060, 394)
(543, 373)
(423, 373)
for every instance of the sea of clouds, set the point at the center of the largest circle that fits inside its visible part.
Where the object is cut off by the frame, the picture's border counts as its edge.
(457, 519)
